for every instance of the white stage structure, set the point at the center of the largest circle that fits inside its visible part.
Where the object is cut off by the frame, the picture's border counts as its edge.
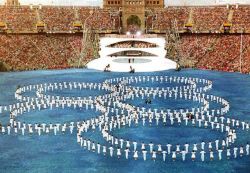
(155, 61)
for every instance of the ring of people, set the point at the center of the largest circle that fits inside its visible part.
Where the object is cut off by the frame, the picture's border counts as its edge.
(116, 112)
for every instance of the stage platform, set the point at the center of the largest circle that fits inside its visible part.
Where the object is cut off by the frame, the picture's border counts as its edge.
(142, 64)
(109, 48)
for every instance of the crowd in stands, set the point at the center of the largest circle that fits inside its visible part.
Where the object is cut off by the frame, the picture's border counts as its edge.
(30, 52)
(133, 44)
(45, 51)
(217, 51)
(102, 20)
(19, 19)
(209, 19)
(57, 19)
(163, 19)
(241, 18)
(209, 51)
(203, 20)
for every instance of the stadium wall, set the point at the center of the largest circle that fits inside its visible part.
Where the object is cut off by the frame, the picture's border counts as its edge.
(58, 51)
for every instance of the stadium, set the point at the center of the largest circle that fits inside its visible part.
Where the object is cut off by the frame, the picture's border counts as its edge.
(126, 86)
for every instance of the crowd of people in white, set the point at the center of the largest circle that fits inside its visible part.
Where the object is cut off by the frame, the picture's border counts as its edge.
(116, 113)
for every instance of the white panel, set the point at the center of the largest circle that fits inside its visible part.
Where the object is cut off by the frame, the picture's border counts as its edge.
(106, 41)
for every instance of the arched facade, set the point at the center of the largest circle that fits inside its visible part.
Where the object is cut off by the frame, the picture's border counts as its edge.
(133, 7)
(136, 8)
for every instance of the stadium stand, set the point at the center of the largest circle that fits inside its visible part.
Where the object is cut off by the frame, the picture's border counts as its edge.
(207, 46)
(241, 18)
(54, 18)
(217, 52)
(30, 52)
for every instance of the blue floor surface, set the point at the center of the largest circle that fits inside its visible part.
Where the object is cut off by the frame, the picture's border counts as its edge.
(61, 153)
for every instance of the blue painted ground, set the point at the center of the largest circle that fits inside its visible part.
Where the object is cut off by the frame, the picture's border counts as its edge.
(62, 154)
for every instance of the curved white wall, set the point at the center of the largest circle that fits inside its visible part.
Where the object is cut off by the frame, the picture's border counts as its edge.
(107, 41)
(158, 63)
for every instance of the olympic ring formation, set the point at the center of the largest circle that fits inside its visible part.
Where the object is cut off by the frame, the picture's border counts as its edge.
(115, 112)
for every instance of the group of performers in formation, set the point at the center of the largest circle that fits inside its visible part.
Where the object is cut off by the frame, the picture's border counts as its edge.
(115, 112)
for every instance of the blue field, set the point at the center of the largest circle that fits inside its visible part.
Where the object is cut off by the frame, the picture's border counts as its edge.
(61, 153)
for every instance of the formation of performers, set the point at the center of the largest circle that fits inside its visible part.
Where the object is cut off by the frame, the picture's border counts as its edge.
(116, 113)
